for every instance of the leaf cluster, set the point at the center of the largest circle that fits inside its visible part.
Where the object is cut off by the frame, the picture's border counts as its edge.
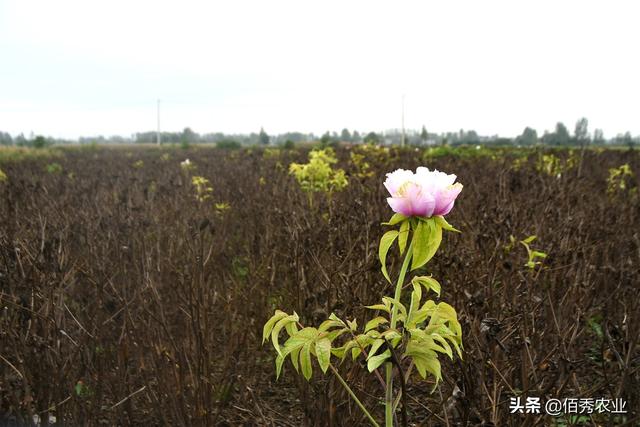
(318, 175)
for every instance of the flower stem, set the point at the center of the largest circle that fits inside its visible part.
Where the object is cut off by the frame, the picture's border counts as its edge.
(353, 396)
(388, 401)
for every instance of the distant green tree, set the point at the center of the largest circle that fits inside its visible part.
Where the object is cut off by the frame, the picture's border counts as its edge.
(372, 138)
(562, 134)
(326, 139)
(559, 137)
(424, 135)
(470, 137)
(228, 144)
(5, 138)
(189, 136)
(263, 137)
(582, 131)
(345, 135)
(529, 137)
(39, 142)
(356, 136)
(598, 136)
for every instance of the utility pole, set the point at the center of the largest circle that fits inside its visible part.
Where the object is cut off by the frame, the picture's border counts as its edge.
(403, 135)
(158, 132)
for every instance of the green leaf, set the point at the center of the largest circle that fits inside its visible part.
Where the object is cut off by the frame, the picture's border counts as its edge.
(332, 316)
(427, 364)
(291, 328)
(377, 360)
(266, 330)
(330, 323)
(335, 334)
(305, 361)
(426, 240)
(373, 323)
(395, 219)
(535, 254)
(385, 243)
(379, 307)
(294, 344)
(374, 347)
(338, 352)
(403, 236)
(278, 327)
(435, 241)
(323, 353)
(428, 282)
(444, 224)
(420, 244)
(445, 347)
(295, 356)
(402, 315)
(390, 335)
(353, 324)
(279, 362)
(529, 239)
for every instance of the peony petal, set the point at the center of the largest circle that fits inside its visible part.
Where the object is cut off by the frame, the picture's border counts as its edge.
(400, 205)
(396, 179)
(422, 202)
(445, 198)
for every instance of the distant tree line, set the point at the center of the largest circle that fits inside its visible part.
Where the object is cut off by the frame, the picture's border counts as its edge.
(560, 136)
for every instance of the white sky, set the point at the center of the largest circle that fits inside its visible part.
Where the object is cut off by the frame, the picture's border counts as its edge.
(70, 68)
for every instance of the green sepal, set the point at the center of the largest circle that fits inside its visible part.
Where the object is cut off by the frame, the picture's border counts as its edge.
(444, 224)
(395, 219)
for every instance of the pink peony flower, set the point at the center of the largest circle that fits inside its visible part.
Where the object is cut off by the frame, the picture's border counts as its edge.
(423, 193)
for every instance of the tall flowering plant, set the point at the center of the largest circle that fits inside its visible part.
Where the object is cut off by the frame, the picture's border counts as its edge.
(406, 335)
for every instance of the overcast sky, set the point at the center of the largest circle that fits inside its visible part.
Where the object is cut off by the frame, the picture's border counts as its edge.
(70, 68)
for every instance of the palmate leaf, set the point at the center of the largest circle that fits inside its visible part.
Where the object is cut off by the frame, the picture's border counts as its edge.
(278, 327)
(268, 327)
(293, 347)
